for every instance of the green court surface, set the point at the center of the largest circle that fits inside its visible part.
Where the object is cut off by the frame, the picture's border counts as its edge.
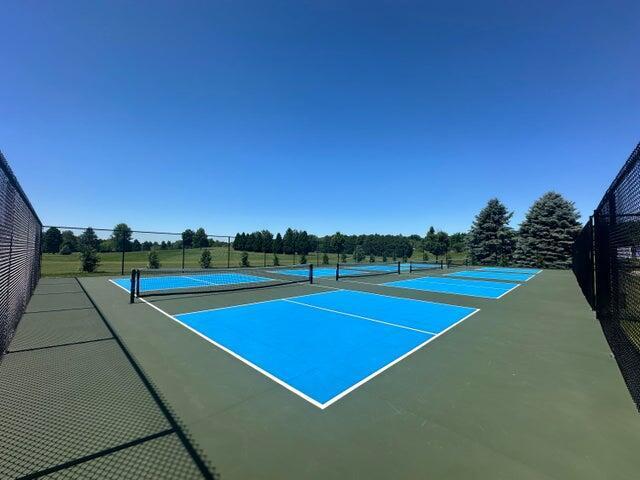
(526, 388)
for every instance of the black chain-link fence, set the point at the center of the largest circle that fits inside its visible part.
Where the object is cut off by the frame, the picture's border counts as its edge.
(606, 262)
(20, 236)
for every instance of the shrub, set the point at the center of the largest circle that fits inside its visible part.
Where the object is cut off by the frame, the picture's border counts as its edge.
(276, 260)
(153, 260)
(303, 259)
(244, 260)
(205, 258)
(66, 249)
(358, 254)
(325, 259)
(343, 257)
(372, 258)
(384, 258)
(89, 260)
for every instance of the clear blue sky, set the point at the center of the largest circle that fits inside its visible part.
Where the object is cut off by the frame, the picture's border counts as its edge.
(328, 115)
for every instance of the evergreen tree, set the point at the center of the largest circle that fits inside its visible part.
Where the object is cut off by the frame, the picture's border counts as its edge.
(205, 258)
(372, 259)
(136, 245)
(88, 239)
(69, 241)
(89, 260)
(276, 260)
(358, 254)
(51, 240)
(277, 244)
(442, 244)
(325, 259)
(200, 239)
(121, 237)
(458, 242)
(491, 239)
(338, 243)
(153, 260)
(303, 259)
(430, 241)
(187, 238)
(343, 257)
(302, 243)
(289, 241)
(547, 233)
(244, 260)
(267, 241)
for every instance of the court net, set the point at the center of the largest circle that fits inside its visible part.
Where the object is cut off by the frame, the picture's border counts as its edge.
(421, 266)
(344, 270)
(156, 282)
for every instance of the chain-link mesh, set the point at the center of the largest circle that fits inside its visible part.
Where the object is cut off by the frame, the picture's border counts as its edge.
(606, 262)
(20, 236)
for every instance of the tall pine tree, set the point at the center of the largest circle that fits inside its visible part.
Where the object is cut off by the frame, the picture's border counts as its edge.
(491, 239)
(547, 233)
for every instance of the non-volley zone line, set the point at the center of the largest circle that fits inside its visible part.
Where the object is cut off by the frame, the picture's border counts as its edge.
(323, 346)
(455, 286)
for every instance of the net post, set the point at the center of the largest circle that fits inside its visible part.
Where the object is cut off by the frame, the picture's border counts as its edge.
(398, 267)
(337, 271)
(132, 290)
(410, 266)
(311, 273)
(138, 283)
(183, 249)
(441, 265)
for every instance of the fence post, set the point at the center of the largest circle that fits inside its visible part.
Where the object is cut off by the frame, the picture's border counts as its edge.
(228, 252)
(183, 250)
(122, 246)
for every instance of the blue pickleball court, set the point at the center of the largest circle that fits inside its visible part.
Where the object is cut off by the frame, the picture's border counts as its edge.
(493, 275)
(323, 346)
(455, 286)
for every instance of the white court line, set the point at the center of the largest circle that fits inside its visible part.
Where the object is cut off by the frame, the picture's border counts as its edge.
(508, 291)
(120, 286)
(358, 316)
(250, 303)
(242, 359)
(292, 389)
(435, 280)
(488, 278)
(389, 365)
(392, 296)
(383, 285)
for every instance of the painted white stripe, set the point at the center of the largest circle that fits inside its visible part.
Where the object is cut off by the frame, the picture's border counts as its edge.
(389, 365)
(468, 283)
(358, 316)
(292, 389)
(383, 285)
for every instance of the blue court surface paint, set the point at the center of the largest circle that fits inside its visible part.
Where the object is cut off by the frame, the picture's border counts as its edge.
(455, 286)
(511, 277)
(531, 271)
(171, 282)
(322, 346)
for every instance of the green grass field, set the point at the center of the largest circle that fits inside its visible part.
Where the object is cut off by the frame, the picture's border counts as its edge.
(110, 263)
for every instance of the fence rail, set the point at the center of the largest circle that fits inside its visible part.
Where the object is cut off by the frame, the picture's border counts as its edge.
(606, 263)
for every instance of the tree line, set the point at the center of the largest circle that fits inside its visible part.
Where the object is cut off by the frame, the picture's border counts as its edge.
(300, 242)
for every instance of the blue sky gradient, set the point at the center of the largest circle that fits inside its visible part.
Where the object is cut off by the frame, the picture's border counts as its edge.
(362, 117)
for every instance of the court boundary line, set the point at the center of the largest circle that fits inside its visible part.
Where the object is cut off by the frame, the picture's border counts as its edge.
(338, 312)
(483, 269)
(486, 278)
(292, 389)
(435, 280)
(385, 285)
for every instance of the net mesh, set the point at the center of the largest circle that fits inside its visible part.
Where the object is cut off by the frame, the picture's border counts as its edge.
(154, 282)
(421, 266)
(345, 270)
(20, 239)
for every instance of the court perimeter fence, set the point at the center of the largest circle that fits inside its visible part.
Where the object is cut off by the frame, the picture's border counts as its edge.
(20, 239)
(606, 263)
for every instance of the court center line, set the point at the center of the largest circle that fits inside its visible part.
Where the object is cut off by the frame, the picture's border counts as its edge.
(359, 316)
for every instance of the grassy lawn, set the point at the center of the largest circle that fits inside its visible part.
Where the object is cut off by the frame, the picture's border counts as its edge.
(110, 263)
